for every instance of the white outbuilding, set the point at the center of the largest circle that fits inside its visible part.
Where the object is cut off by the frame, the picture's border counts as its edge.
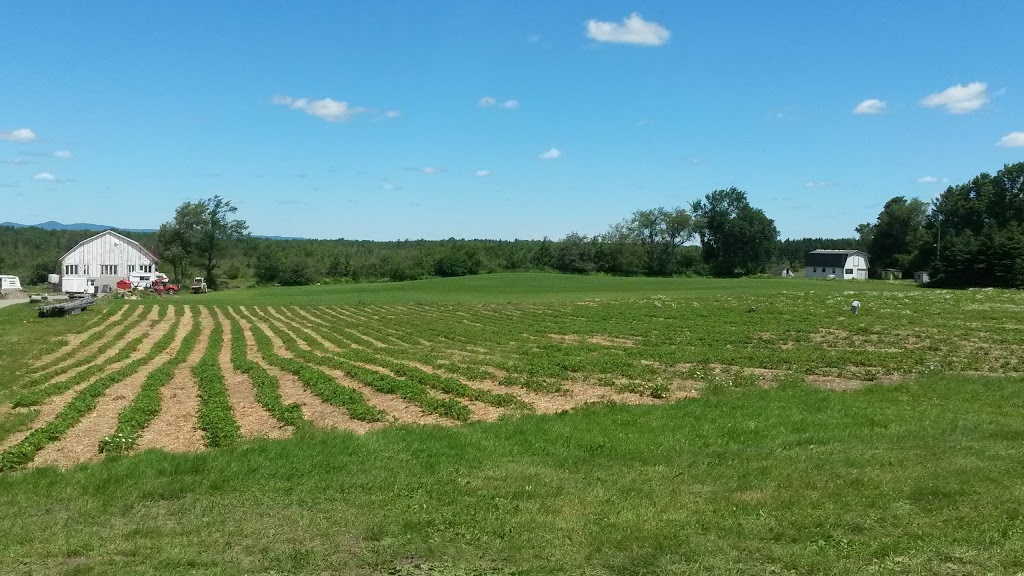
(842, 264)
(102, 260)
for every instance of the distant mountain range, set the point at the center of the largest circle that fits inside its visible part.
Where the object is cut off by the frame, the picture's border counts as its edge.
(51, 225)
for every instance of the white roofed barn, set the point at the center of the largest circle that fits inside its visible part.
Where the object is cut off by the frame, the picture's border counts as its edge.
(106, 258)
(843, 264)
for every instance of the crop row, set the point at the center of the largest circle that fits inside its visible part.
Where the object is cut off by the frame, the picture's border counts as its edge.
(317, 381)
(444, 384)
(267, 388)
(408, 390)
(60, 365)
(216, 418)
(84, 402)
(147, 404)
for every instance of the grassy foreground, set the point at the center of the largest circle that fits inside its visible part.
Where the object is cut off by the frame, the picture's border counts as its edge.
(923, 477)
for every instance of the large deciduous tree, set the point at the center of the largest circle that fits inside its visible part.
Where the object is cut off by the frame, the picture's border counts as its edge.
(897, 236)
(659, 232)
(735, 237)
(198, 234)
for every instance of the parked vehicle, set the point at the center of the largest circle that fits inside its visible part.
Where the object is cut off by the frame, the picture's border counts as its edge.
(161, 287)
(199, 285)
(77, 285)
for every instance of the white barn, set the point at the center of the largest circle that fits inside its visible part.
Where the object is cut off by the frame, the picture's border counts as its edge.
(843, 264)
(104, 259)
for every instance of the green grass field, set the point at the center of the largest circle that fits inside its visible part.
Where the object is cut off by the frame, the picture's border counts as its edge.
(447, 427)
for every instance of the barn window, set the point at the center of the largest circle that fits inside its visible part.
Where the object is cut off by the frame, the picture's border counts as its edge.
(85, 269)
(131, 268)
(833, 270)
(815, 269)
(849, 270)
(146, 268)
(108, 269)
(71, 269)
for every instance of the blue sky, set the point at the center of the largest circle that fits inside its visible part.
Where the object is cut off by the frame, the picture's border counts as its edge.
(499, 119)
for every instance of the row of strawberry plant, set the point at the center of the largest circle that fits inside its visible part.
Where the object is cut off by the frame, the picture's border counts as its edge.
(84, 402)
(318, 382)
(216, 418)
(444, 384)
(50, 370)
(40, 395)
(413, 392)
(147, 404)
(268, 390)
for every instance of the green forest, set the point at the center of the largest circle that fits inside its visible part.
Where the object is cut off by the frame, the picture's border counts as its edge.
(971, 235)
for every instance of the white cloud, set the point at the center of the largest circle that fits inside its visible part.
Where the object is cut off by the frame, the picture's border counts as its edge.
(430, 170)
(45, 177)
(483, 173)
(326, 109)
(390, 187)
(510, 104)
(633, 30)
(959, 99)
(486, 102)
(552, 154)
(870, 106)
(932, 180)
(818, 184)
(1012, 140)
(533, 38)
(392, 114)
(66, 154)
(19, 135)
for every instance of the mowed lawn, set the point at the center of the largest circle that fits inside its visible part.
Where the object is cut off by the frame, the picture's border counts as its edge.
(764, 472)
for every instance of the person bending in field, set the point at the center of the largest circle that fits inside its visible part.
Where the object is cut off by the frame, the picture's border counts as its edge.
(855, 307)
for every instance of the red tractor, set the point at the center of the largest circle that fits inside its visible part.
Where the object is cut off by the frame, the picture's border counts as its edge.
(161, 288)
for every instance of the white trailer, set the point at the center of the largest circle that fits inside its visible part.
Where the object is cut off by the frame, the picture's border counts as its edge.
(77, 285)
(10, 283)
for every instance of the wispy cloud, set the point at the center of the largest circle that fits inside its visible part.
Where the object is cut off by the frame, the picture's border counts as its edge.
(932, 180)
(390, 186)
(510, 104)
(45, 177)
(490, 102)
(552, 154)
(870, 106)
(1012, 140)
(392, 114)
(19, 135)
(430, 170)
(959, 99)
(483, 173)
(818, 184)
(16, 161)
(486, 102)
(633, 30)
(326, 109)
(65, 154)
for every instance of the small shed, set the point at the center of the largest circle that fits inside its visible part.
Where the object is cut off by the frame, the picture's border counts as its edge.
(921, 278)
(891, 274)
(124, 285)
(10, 282)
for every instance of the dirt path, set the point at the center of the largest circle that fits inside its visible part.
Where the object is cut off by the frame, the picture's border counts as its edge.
(49, 409)
(176, 428)
(292, 390)
(75, 339)
(253, 420)
(82, 442)
(89, 352)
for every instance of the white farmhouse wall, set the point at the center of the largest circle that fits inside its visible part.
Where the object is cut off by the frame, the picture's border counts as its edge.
(105, 259)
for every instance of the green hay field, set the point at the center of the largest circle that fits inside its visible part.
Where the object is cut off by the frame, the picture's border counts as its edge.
(449, 427)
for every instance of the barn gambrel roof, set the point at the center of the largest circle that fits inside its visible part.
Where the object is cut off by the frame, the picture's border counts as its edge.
(124, 239)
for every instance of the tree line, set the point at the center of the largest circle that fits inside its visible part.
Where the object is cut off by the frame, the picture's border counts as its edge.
(971, 235)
